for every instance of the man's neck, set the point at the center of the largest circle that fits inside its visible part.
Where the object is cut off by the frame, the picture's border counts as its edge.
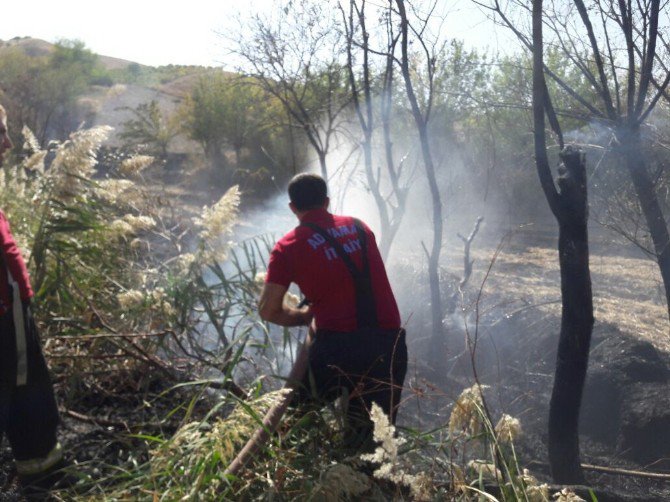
(302, 214)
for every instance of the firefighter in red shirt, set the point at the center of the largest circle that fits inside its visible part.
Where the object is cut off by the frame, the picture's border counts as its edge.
(359, 344)
(28, 411)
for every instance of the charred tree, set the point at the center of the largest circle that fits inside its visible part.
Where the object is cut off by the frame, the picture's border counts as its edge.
(630, 145)
(569, 204)
(576, 320)
(617, 59)
(394, 170)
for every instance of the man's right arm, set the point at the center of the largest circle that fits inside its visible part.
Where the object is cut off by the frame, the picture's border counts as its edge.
(271, 307)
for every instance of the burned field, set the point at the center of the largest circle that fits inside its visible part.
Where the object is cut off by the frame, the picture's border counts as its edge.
(506, 327)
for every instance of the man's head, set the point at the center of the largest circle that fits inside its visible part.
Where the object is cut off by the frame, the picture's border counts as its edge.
(5, 142)
(307, 191)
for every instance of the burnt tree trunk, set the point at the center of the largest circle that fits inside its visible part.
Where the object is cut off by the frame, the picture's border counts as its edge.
(437, 309)
(631, 144)
(394, 172)
(569, 204)
(361, 97)
(576, 321)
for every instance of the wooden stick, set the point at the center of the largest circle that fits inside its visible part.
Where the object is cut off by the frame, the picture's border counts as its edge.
(625, 472)
(76, 338)
(93, 357)
(615, 470)
(275, 413)
(93, 420)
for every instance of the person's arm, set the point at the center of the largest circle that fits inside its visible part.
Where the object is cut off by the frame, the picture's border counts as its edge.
(271, 307)
(13, 260)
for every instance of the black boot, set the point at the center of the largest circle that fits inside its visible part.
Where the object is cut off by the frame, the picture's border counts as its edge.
(39, 486)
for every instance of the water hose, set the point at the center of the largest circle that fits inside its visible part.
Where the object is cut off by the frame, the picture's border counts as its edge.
(275, 413)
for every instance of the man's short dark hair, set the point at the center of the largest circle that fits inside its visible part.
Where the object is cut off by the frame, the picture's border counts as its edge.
(307, 191)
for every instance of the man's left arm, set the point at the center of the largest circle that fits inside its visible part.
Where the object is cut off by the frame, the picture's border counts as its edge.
(271, 307)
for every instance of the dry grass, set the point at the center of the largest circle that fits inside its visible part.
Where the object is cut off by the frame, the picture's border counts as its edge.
(627, 291)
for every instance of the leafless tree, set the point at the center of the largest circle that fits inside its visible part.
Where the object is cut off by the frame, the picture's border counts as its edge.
(569, 204)
(390, 202)
(294, 53)
(623, 58)
(421, 113)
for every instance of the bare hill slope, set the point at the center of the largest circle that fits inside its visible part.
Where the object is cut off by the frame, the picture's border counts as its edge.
(37, 47)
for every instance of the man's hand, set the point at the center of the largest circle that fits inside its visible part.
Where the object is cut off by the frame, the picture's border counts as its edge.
(271, 308)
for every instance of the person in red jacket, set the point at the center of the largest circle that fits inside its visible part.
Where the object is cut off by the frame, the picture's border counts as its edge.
(28, 410)
(359, 344)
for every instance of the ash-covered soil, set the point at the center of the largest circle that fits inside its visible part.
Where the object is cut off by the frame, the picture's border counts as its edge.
(103, 428)
(625, 419)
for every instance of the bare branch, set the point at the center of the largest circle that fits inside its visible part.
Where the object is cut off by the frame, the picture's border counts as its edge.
(604, 87)
(559, 81)
(539, 106)
(649, 56)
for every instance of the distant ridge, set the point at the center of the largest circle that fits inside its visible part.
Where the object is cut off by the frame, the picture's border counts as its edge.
(36, 47)
(113, 104)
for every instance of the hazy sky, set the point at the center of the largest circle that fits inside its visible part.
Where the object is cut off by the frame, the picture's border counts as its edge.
(146, 31)
(157, 32)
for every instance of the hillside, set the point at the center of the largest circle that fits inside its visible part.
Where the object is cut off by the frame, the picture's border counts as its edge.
(31, 46)
(36, 47)
(130, 85)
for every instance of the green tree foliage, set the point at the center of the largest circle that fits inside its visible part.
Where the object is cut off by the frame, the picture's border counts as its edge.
(569, 73)
(17, 84)
(228, 113)
(462, 81)
(149, 130)
(482, 109)
(73, 55)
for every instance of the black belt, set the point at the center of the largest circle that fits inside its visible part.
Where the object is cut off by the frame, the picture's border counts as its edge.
(361, 332)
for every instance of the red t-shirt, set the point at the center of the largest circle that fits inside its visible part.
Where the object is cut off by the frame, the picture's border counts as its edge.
(306, 259)
(11, 260)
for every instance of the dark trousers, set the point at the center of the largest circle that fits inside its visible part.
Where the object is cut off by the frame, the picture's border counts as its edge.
(367, 366)
(28, 413)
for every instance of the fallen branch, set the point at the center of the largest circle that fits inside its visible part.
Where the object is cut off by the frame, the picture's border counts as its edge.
(582, 491)
(104, 422)
(626, 472)
(92, 357)
(617, 470)
(76, 338)
(168, 369)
